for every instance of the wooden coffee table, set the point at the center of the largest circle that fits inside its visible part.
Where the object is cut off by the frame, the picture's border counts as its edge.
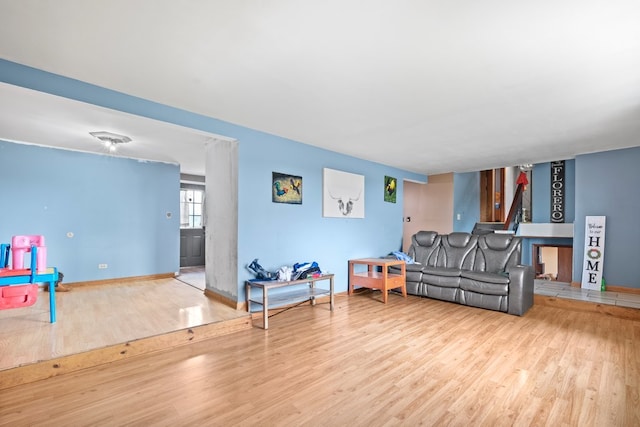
(374, 279)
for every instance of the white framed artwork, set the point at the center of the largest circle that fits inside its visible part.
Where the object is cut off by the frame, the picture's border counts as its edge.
(342, 194)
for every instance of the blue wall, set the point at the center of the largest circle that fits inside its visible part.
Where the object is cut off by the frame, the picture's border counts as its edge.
(466, 201)
(609, 184)
(115, 208)
(277, 234)
(466, 194)
(541, 202)
(281, 234)
(604, 183)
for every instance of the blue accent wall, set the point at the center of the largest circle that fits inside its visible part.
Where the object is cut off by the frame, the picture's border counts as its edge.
(603, 184)
(608, 184)
(466, 201)
(541, 202)
(281, 234)
(277, 234)
(115, 209)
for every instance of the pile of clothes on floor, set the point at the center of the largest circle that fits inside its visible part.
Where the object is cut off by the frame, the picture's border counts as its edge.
(297, 271)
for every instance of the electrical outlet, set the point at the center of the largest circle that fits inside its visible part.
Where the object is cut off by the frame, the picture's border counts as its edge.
(101, 266)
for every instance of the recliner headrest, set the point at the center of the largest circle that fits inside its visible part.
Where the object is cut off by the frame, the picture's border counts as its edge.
(459, 239)
(497, 241)
(425, 238)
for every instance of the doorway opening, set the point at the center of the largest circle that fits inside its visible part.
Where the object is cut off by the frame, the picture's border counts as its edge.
(192, 230)
(427, 206)
(552, 262)
(502, 199)
(492, 195)
(192, 234)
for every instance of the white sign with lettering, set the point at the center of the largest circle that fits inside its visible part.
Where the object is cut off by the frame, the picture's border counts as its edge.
(593, 252)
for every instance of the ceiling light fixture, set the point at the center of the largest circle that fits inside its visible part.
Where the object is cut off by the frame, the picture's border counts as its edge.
(110, 139)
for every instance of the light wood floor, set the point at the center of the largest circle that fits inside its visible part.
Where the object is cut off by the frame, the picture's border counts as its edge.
(93, 317)
(413, 361)
(194, 276)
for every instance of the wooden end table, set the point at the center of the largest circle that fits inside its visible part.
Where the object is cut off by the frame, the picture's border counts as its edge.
(374, 279)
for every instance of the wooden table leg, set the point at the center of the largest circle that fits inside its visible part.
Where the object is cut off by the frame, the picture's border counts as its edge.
(247, 294)
(385, 284)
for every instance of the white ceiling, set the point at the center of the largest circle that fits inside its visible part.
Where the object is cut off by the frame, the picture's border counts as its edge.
(35, 117)
(429, 86)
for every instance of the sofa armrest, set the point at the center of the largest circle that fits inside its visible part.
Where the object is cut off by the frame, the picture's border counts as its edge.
(520, 289)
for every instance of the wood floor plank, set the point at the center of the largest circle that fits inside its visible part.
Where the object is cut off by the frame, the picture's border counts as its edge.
(412, 361)
(93, 317)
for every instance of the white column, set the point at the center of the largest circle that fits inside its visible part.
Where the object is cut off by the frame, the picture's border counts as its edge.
(221, 231)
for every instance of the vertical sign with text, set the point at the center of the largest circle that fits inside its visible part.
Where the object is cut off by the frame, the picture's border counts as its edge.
(593, 252)
(557, 191)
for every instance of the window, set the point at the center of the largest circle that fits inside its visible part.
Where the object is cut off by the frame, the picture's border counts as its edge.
(191, 208)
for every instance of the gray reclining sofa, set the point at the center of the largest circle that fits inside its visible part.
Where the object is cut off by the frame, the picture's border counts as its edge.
(475, 270)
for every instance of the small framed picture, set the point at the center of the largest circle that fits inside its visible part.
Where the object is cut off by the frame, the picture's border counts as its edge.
(286, 188)
(390, 187)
